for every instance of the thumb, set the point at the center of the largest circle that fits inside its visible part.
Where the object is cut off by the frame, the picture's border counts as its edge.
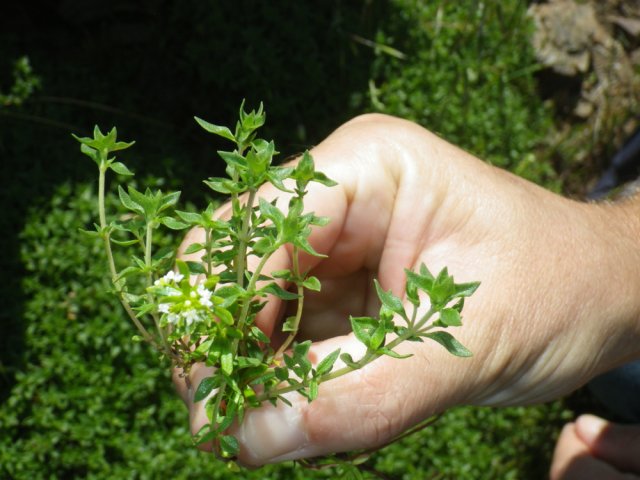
(618, 445)
(364, 409)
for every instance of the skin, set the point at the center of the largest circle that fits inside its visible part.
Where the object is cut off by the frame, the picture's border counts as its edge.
(558, 301)
(595, 449)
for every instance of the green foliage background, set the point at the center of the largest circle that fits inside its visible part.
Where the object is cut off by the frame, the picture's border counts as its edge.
(77, 398)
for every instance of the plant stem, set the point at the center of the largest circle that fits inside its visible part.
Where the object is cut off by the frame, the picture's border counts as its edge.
(425, 318)
(296, 322)
(112, 266)
(208, 250)
(369, 357)
(241, 258)
(166, 348)
(242, 318)
(414, 315)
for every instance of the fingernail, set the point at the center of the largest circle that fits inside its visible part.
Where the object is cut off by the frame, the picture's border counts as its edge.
(273, 434)
(590, 427)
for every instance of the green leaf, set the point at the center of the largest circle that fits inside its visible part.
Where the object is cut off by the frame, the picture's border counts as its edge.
(189, 217)
(466, 289)
(259, 335)
(124, 243)
(201, 437)
(319, 221)
(230, 293)
(224, 315)
(144, 309)
(305, 169)
(362, 327)
(312, 283)
(417, 281)
(174, 224)
(225, 422)
(273, 213)
(130, 270)
(323, 179)
(90, 152)
(224, 185)
(411, 291)
(120, 145)
(82, 140)
(146, 200)
(278, 291)
(442, 290)
(450, 317)
(128, 203)
(348, 360)
(233, 159)
(203, 348)
(263, 246)
(289, 361)
(424, 272)
(206, 386)
(277, 175)
(163, 253)
(229, 446)
(313, 390)
(196, 268)
(282, 374)
(449, 342)
(169, 200)
(90, 233)
(286, 274)
(289, 324)
(215, 129)
(183, 268)
(193, 248)
(300, 350)
(120, 168)
(326, 364)
(391, 353)
(390, 301)
(378, 336)
(304, 244)
(226, 362)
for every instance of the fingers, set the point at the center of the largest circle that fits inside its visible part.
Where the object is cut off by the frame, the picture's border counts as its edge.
(594, 449)
(618, 445)
(362, 409)
(572, 460)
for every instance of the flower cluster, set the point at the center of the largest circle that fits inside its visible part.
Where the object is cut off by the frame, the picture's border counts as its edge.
(178, 300)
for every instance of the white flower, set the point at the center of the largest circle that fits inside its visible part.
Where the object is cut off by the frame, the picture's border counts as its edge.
(205, 296)
(191, 316)
(169, 277)
(163, 308)
(173, 318)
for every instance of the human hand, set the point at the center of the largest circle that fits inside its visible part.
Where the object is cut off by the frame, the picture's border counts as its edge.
(557, 305)
(595, 449)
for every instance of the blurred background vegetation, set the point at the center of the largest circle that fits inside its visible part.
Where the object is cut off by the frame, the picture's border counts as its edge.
(77, 398)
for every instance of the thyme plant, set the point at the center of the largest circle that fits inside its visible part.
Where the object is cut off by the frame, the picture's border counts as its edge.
(205, 311)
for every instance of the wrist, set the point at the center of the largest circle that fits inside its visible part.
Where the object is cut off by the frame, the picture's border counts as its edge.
(620, 232)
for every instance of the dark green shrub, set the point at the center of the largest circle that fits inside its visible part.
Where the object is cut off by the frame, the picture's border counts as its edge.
(468, 75)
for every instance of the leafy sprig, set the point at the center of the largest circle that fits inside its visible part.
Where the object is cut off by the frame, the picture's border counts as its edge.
(205, 311)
